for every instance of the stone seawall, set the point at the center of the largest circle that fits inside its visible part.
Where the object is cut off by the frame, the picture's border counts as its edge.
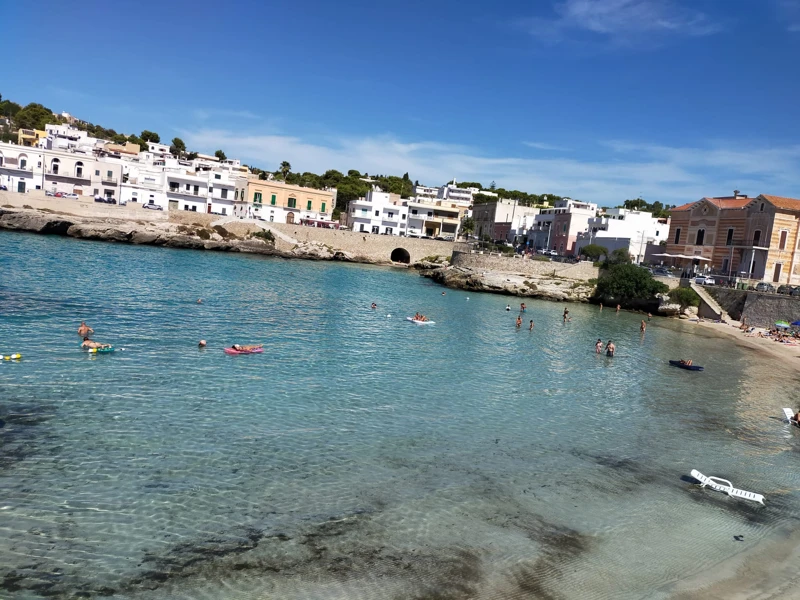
(525, 266)
(761, 309)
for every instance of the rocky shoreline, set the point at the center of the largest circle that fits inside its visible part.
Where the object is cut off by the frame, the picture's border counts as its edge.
(545, 287)
(168, 235)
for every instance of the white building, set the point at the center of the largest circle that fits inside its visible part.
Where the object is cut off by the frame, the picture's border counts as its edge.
(441, 219)
(619, 228)
(159, 150)
(378, 213)
(454, 194)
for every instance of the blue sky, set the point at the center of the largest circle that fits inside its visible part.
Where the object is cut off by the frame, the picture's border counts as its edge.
(597, 99)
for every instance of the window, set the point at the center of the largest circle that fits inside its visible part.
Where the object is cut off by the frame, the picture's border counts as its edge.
(375, 229)
(761, 208)
(216, 176)
(377, 213)
(23, 163)
(188, 187)
(273, 200)
(413, 211)
(224, 195)
(271, 217)
(677, 235)
(724, 265)
(292, 202)
(110, 174)
(756, 237)
(323, 207)
(361, 227)
(236, 194)
(729, 239)
(196, 190)
(364, 211)
(782, 243)
(257, 197)
(700, 238)
(96, 191)
(388, 231)
(97, 172)
(224, 211)
(403, 217)
(430, 214)
(564, 228)
(308, 205)
(391, 215)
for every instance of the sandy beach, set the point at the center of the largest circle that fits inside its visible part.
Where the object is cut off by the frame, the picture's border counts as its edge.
(767, 571)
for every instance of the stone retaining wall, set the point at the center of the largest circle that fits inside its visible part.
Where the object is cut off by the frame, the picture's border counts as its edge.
(761, 309)
(525, 266)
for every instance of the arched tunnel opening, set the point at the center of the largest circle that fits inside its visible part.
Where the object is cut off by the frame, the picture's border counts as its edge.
(400, 255)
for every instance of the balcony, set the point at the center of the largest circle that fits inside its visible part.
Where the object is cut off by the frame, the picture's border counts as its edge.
(192, 193)
(7, 165)
(108, 179)
(59, 175)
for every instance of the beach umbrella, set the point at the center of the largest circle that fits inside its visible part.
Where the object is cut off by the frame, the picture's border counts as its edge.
(782, 325)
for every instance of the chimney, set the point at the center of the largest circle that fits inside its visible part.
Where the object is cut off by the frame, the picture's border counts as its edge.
(738, 194)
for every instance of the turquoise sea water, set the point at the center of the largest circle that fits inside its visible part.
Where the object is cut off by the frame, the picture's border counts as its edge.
(360, 456)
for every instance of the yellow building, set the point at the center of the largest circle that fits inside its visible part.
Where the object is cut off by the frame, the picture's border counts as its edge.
(30, 137)
(283, 203)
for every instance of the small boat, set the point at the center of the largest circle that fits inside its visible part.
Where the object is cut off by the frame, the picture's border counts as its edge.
(418, 322)
(680, 365)
(253, 351)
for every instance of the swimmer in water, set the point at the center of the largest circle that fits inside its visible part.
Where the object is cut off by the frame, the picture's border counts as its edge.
(87, 343)
(618, 307)
(508, 307)
(247, 348)
(84, 329)
(531, 327)
(374, 306)
(566, 314)
(522, 307)
(519, 322)
(201, 344)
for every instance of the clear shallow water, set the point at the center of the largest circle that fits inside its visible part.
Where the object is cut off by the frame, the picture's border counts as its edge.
(360, 456)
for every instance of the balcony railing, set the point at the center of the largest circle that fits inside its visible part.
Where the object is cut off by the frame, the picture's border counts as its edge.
(187, 192)
(108, 179)
(83, 176)
(15, 167)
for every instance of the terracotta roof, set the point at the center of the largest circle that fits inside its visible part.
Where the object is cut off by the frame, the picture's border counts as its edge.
(781, 202)
(725, 202)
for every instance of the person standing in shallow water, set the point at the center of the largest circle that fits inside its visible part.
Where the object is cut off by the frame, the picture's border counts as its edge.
(566, 314)
(84, 329)
(598, 347)
(531, 327)
(610, 348)
(643, 327)
(618, 307)
(519, 322)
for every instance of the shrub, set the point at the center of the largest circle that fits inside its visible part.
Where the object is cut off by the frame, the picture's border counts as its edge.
(28, 206)
(224, 233)
(530, 285)
(203, 234)
(264, 235)
(594, 251)
(684, 296)
(8, 206)
(625, 283)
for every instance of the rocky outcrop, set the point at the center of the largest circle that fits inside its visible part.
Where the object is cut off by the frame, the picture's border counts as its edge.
(544, 287)
(162, 234)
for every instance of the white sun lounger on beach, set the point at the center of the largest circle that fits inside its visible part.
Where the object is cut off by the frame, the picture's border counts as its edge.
(789, 414)
(723, 485)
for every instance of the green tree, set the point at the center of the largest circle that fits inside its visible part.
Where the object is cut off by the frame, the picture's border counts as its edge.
(34, 116)
(685, 296)
(220, 155)
(353, 173)
(620, 256)
(191, 155)
(8, 108)
(626, 283)
(150, 136)
(594, 251)
(470, 184)
(467, 226)
(178, 147)
(285, 168)
(143, 146)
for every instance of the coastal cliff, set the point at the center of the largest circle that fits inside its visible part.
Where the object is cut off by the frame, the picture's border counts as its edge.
(162, 234)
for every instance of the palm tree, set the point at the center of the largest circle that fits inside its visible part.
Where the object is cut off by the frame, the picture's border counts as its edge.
(285, 169)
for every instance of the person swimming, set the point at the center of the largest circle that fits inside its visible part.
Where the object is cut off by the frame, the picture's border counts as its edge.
(201, 344)
(598, 347)
(84, 329)
(374, 306)
(508, 307)
(610, 348)
(87, 343)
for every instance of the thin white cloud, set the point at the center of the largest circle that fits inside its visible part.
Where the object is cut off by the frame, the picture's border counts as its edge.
(789, 12)
(622, 21)
(673, 175)
(204, 114)
(543, 146)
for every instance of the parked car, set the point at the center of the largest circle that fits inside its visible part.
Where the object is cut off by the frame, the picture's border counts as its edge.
(49, 194)
(99, 199)
(71, 196)
(3, 188)
(785, 289)
(156, 207)
(663, 273)
(704, 280)
(59, 194)
(765, 287)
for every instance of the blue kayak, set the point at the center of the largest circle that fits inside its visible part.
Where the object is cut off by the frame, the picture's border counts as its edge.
(677, 363)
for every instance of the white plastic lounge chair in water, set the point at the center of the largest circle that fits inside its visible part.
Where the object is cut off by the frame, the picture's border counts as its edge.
(789, 414)
(725, 486)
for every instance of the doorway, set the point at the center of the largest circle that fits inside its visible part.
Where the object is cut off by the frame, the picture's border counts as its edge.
(21, 187)
(776, 277)
(290, 218)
